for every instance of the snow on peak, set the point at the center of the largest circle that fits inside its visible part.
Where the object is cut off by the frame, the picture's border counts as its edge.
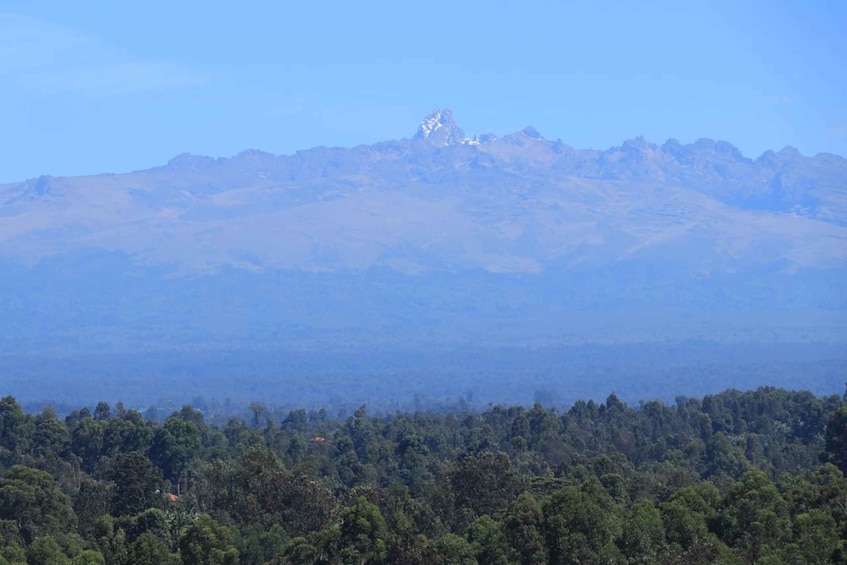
(439, 129)
(433, 121)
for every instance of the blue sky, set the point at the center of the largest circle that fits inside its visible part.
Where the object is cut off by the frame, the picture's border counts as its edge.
(89, 87)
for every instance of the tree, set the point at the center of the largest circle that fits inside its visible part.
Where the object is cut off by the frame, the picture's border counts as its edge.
(175, 444)
(261, 545)
(643, 533)
(578, 529)
(102, 412)
(816, 538)
(89, 557)
(307, 505)
(93, 499)
(15, 430)
(686, 515)
(488, 542)
(32, 500)
(257, 409)
(836, 439)
(522, 527)
(256, 483)
(405, 544)
(45, 550)
(87, 442)
(51, 438)
(755, 519)
(110, 539)
(206, 542)
(152, 521)
(363, 533)
(486, 483)
(126, 432)
(147, 549)
(301, 552)
(451, 549)
(723, 457)
(137, 482)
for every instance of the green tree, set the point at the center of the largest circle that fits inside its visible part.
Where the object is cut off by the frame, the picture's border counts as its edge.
(206, 542)
(451, 549)
(486, 483)
(724, 458)
(45, 550)
(363, 533)
(686, 516)
(816, 538)
(126, 432)
(93, 499)
(405, 544)
(260, 545)
(301, 551)
(643, 533)
(307, 505)
(137, 484)
(147, 549)
(111, 540)
(89, 557)
(102, 412)
(15, 431)
(578, 529)
(51, 439)
(175, 444)
(87, 442)
(257, 487)
(755, 519)
(523, 528)
(32, 500)
(153, 521)
(836, 439)
(488, 542)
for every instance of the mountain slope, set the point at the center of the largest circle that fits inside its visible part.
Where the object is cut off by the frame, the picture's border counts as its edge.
(406, 226)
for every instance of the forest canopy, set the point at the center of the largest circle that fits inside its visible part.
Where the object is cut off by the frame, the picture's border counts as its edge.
(737, 477)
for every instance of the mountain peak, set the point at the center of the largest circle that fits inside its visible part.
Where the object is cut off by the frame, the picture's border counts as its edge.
(438, 128)
(531, 132)
(187, 162)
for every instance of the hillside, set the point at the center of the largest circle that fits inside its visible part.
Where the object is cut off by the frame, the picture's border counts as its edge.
(521, 203)
(440, 238)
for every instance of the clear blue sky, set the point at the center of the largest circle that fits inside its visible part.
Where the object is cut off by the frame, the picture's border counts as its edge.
(98, 86)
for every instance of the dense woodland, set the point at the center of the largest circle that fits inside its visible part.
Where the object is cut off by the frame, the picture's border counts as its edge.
(738, 477)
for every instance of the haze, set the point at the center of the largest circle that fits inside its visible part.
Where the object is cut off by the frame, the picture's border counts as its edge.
(394, 205)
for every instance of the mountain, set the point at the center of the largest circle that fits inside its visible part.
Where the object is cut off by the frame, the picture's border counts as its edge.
(439, 238)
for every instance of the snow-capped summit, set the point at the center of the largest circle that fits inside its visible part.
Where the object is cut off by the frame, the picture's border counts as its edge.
(438, 128)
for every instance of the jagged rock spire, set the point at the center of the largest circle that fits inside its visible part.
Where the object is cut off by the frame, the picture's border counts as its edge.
(439, 129)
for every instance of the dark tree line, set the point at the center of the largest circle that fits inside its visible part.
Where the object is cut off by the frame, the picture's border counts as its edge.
(738, 477)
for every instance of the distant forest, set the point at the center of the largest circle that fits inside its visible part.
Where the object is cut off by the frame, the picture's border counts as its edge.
(736, 477)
